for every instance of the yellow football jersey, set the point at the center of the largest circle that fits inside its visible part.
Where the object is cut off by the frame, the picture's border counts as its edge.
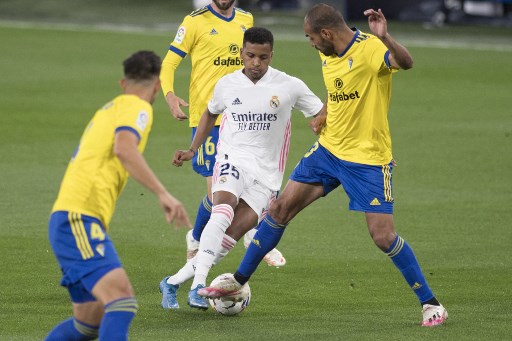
(95, 177)
(214, 44)
(358, 83)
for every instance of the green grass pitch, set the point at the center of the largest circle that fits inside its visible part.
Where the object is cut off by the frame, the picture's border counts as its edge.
(451, 124)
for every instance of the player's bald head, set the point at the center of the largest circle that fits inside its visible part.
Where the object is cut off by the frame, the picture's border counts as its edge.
(323, 16)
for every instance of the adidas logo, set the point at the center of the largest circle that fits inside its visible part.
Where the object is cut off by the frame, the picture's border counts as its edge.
(213, 32)
(375, 202)
(236, 102)
(416, 286)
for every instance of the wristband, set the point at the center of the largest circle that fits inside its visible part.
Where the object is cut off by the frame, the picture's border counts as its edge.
(192, 150)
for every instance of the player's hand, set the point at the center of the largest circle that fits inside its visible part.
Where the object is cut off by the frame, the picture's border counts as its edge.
(182, 155)
(174, 102)
(318, 123)
(174, 210)
(377, 22)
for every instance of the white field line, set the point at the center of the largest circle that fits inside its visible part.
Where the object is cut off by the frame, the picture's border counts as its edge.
(501, 45)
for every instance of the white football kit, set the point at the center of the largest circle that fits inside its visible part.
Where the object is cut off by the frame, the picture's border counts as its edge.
(254, 135)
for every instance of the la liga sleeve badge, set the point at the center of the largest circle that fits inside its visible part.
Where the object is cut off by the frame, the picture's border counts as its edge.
(142, 120)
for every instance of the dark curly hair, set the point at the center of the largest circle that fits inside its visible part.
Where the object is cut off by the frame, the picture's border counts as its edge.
(142, 65)
(258, 35)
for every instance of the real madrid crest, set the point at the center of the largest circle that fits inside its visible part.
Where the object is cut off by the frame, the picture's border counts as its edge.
(274, 102)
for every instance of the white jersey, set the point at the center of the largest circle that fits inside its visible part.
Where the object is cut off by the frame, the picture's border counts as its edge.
(256, 126)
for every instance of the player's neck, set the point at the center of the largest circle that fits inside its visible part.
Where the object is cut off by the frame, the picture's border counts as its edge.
(145, 90)
(144, 94)
(225, 13)
(254, 80)
(343, 39)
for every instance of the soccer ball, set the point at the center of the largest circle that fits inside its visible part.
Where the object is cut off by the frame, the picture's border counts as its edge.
(231, 305)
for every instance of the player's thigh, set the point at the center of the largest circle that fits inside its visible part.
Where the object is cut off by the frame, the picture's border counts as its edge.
(313, 177)
(225, 197)
(257, 197)
(293, 199)
(381, 229)
(113, 286)
(89, 313)
(245, 219)
(228, 178)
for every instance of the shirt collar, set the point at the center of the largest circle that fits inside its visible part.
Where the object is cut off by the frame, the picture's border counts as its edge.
(356, 35)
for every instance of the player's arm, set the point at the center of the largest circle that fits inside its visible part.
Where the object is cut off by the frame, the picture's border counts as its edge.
(125, 148)
(399, 56)
(310, 105)
(318, 122)
(204, 128)
(169, 66)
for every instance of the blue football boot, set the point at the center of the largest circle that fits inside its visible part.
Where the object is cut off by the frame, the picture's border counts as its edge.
(196, 301)
(169, 291)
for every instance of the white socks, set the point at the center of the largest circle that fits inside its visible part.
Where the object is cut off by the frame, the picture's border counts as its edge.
(184, 274)
(211, 242)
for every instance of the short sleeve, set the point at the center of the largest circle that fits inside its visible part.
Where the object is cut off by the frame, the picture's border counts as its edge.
(185, 38)
(216, 104)
(379, 55)
(136, 118)
(306, 101)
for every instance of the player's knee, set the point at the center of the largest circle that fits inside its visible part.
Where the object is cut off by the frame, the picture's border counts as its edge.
(126, 291)
(279, 213)
(383, 240)
(113, 286)
(222, 214)
(123, 288)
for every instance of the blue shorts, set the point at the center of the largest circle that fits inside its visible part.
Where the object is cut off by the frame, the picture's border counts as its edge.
(84, 251)
(204, 160)
(369, 188)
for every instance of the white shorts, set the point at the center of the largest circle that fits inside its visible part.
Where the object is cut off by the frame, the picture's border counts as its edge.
(243, 185)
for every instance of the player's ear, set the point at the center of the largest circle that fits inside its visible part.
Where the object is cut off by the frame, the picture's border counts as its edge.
(325, 34)
(122, 83)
